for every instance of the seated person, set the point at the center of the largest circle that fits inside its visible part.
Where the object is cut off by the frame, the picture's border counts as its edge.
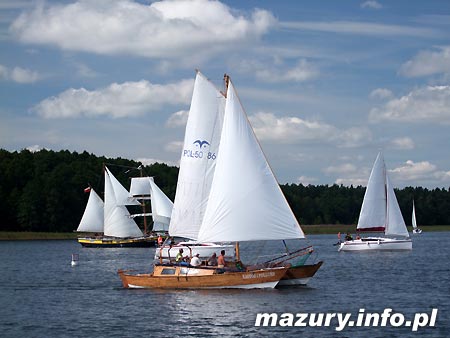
(196, 261)
(179, 258)
(348, 237)
(221, 260)
(212, 261)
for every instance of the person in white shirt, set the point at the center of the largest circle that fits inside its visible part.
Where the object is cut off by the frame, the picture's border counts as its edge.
(196, 261)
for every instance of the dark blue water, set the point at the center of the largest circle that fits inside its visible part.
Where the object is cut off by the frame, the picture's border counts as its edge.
(42, 295)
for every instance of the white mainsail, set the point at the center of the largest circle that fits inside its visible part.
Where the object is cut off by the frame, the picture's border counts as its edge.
(161, 207)
(117, 221)
(246, 202)
(92, 220)
(373, 210)
(198, 158)
(413, 217)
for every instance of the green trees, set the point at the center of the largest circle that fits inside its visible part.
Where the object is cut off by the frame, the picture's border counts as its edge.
(43, 191)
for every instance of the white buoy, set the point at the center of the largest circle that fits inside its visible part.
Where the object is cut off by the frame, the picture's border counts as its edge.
(74, 259)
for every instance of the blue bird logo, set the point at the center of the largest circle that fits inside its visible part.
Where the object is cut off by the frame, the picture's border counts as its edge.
(201, 143)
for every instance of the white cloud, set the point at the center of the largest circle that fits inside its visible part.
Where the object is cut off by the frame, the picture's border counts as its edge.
(163, 29)
(174, 146)
(3, 73)
(345, 168)
(428, 63)
(305, 180)
(360, 28)
(150, 161)
(413, 171)
(371, 4)
(352, 181)
(178, 119)
(19, 75)
(402, 143)
(34, 148)
(381, 93)
(302, 71)
(116, 100)
(84, 71)
(291, 130)
(428, 104)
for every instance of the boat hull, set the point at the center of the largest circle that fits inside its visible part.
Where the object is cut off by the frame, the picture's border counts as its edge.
(141, 242)
(205, 250)
(179, 277)
(299, 275)
(376, 243)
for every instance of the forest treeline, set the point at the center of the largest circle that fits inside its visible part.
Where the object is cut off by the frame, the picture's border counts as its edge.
(44, 191)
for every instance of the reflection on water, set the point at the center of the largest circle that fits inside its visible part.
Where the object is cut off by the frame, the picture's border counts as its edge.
(44, 296)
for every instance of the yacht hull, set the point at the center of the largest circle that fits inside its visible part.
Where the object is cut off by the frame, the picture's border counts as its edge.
(376, 243)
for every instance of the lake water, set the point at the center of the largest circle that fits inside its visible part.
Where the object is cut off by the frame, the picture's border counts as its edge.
(42, 295)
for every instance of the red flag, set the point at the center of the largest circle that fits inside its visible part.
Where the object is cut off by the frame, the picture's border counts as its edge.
(88, 189)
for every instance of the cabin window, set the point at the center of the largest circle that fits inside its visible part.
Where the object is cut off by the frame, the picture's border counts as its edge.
(168, 272)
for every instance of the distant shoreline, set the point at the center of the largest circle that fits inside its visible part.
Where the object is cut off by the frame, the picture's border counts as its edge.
(308, 230)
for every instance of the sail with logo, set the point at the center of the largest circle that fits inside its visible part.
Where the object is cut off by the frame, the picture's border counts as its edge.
(197, 166)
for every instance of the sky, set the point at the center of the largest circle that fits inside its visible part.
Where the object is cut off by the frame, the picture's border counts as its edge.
(326, 84)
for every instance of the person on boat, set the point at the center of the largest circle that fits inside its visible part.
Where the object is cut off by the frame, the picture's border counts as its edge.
(196, 261)
(179, 258)
(348, 237)
(221, 260)
(358, 236)
(212, 261)
(160, 240)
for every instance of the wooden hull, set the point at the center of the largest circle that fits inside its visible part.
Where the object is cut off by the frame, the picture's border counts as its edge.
(179, 277)
(299, 275)
(93, 242)
(376, 244)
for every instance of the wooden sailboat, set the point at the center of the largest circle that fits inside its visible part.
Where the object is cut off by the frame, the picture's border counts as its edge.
(245, 203)
(380, 212)
(113, 223)
(416, 230)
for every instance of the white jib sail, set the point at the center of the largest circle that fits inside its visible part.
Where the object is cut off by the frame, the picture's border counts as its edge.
(122, 196)
(92, 220)
(246, 202)
(395, 223)
(373, 209)
(198, 158)
(117, 221)
(161, 208)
